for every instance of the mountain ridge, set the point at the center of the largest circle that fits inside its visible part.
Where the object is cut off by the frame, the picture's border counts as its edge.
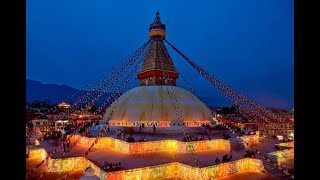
(55, 93)
(38, 91)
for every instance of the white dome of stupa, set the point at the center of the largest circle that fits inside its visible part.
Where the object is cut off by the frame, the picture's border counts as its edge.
(153, 103)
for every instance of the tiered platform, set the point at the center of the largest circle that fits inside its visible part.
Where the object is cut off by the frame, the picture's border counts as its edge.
(158, 158)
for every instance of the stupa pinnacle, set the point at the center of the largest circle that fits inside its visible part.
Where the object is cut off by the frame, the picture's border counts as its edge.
(157, 68)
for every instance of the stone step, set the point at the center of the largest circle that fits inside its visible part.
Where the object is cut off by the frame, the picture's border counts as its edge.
(235, 144)
(232, 141)
(49, 176)
(36, 174)
(270, 168)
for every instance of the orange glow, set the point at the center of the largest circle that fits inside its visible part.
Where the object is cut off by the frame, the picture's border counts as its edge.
(251, 139)
(154, 146)
(39, 153)
(287, 144)
(281, 156)
(158, 32)
(169, 170)
(158, 123)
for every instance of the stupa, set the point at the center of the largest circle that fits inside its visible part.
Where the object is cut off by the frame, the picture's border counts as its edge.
(150, 103)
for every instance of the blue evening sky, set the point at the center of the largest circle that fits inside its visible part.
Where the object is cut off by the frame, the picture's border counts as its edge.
(247, 44)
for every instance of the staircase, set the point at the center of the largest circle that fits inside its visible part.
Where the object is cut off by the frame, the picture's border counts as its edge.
(36, 174)
(235, 143)
(271, 169)
(53, 175)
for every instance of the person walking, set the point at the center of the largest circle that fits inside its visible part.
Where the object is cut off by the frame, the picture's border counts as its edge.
(217, 160)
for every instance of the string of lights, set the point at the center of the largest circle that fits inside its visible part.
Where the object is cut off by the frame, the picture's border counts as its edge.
(235, 97)
(48, 155)
(168, 170)
(114, 96)
(172, 95)
(119, 90)
(168, 85)
(104, 85)
(89, 85)
(189, 87)
(251, 145)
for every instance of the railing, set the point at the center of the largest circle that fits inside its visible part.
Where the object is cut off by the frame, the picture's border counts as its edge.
(251, 139)
(39, 153)
(280, 156)
(287, 144)
(183, 171)
(168, 170)
(154, 146)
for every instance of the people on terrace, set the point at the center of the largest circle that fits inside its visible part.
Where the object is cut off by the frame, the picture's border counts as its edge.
(276, 147)
(226, 158)
(111, 166)
(249, 154)
(225, 135)
(189, 138)
(142, 139)
(217, 160)
(130, 138)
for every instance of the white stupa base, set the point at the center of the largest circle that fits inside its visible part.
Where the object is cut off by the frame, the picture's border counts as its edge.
(166, 130)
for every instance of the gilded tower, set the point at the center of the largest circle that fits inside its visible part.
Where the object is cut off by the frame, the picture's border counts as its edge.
(157, 67)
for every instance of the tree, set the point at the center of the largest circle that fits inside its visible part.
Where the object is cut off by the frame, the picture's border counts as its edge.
(47, 103)
(102, 112)
(93, 109)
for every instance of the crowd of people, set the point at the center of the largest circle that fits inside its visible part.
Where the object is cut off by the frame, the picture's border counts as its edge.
(111, 166)
(277, 147)
(142, 139)
(225, 158)
(66, 146)
(130, 138)
(52, 135)
(83, 128)
(250, 153)
(121, 135)
(188, 138)
(225, 135)
(207, 125)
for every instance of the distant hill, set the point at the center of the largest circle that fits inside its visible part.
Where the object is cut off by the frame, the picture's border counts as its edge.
(35, 90)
